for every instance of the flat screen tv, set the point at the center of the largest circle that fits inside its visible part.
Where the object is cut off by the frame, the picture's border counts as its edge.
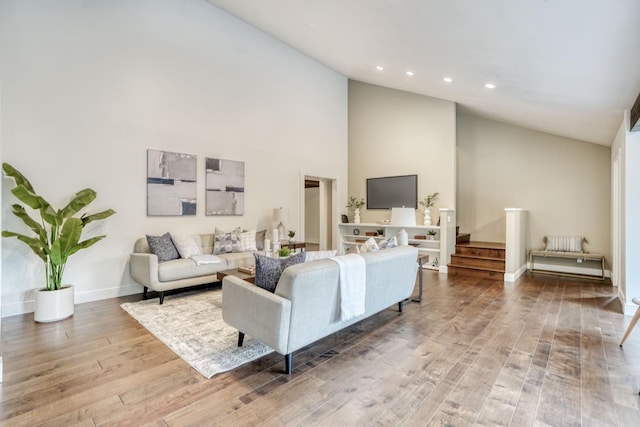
(392, 192)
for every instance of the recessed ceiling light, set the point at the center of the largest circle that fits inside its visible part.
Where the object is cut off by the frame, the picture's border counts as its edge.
(379, 68)
(447, 79)
(490, 86)
(409, 73)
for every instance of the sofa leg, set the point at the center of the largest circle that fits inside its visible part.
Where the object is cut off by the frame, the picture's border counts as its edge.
(161, 297)
(144, 294)
(240, 338)
(400, 306)
(288, 363)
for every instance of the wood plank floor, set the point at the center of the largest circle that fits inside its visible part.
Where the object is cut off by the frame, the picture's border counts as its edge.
(541, 352)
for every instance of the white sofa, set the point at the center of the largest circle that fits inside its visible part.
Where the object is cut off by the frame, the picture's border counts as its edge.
(305, 306)
(180, 273)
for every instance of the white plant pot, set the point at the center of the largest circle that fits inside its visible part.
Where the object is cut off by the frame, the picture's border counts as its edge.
(427, 217)
(51, 306)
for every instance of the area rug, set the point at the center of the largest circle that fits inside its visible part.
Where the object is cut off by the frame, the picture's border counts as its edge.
(191, 325)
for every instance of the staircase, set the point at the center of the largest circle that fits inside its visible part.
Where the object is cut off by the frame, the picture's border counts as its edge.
(478, 259)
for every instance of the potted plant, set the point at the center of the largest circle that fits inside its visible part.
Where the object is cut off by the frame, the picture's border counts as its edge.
(284, 252)
(431, 234)
(57, 237)
(355, 204)
(428, 202)
(292, 234)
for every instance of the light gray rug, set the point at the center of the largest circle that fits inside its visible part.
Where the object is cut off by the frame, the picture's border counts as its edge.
(191, 325)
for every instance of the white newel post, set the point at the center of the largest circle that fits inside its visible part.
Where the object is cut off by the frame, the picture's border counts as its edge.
(447, 237)
(516, 243)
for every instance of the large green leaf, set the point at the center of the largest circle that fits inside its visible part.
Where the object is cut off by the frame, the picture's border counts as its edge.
(86, 219)
(82, 199)
(85, 244)
(20, 212)
(34, 201)
(33, 243)
(17, 176)
(69, 237)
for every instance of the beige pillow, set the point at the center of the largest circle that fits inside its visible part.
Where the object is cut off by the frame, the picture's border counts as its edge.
(187, 245)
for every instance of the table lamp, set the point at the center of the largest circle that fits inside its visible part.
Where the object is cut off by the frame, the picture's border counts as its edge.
(279, 218)
(403, 217)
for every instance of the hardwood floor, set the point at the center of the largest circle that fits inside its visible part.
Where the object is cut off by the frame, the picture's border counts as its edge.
(543, 351)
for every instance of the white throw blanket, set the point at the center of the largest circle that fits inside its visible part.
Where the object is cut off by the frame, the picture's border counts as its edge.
(205, 259)
(352, 285)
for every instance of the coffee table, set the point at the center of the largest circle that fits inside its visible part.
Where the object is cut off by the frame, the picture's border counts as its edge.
(234, 272)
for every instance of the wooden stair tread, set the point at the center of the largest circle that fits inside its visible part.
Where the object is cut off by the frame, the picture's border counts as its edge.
(476, 268)
(483, 245)
(478, 257)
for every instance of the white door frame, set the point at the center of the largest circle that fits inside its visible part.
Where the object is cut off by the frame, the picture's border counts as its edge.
(324, 179)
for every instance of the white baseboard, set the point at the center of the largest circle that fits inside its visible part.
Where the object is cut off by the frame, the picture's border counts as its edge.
(80, 297)
(512, 277)
(443, 269)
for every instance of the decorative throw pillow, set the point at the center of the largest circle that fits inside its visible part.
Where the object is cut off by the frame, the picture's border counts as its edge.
(269, 270)
(391, 242)
(226, 243)
(563, 244)
(369, 246)
(163, 247)
(260, 239)
(247, 241)
(187, 245)
(316, 255)
(355, 249)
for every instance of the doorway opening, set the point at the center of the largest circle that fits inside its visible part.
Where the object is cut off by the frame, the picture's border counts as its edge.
(319, 218)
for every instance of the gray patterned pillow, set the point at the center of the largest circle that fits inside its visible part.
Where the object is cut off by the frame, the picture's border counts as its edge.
(226, 243)
(269, 270)
(163, 247)
(391, 242)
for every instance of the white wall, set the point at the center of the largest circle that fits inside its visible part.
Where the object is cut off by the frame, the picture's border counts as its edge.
(392, 132)
(564, 184)
(618, 155)
(88, 87)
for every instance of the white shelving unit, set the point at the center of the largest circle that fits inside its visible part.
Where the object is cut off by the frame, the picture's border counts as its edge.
(439, 248)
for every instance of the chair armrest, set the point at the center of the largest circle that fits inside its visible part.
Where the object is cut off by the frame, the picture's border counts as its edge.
(256, 312)
(144, 269)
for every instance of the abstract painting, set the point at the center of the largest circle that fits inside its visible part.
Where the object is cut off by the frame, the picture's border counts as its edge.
(225, 187)
(171, 183)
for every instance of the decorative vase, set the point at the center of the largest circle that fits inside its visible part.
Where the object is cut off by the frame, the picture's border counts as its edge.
(356, 216)
(51, 306)
(427, 217)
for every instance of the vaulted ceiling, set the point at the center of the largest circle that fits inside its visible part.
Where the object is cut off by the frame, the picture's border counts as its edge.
(566, 67)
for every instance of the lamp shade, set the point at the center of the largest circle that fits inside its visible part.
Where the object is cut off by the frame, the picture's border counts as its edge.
(403, 217)
(279, 215)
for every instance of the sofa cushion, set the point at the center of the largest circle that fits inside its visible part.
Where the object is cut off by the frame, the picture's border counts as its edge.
(269, 270)
(260, 235)
(163, 247)
(225, 243)
(178, 269)
(187, 245)
(389, 243)
(316, 255)
(369, 246)
(247, 241)
(563, 244)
